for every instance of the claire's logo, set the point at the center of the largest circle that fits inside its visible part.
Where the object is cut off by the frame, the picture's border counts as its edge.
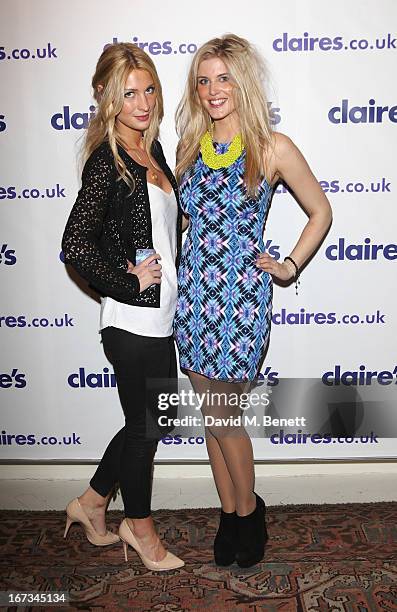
(67, 120)
(92, 380)
(373, 113)
(360, 252)
(274, 113)
(18, 381)
(272, 249)
(307, 43)
(362, 376)
(271, 377)
(7, 256)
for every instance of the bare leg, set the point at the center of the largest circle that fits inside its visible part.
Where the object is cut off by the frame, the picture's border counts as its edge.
(238, 456)
(229, 450)
(223, 482)
(95, 507)
(146, 534)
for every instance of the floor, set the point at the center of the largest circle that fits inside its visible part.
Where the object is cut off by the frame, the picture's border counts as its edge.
(323, 557)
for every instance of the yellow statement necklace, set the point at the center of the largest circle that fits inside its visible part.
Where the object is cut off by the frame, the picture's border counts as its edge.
(220, 160)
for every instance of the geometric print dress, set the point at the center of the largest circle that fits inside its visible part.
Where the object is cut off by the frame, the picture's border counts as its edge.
(223, 312)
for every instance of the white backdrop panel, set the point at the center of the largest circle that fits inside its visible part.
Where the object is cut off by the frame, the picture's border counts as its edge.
(49, 326)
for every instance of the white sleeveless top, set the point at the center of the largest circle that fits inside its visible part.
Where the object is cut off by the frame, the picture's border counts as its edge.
(141, 320)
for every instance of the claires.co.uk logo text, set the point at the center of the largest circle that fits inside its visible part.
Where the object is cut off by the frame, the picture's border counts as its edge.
(156, 47)
(381, 185)
(307, 317)
(307, 42)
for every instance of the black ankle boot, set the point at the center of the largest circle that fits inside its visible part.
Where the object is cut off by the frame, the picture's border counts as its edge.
(252, 535)
(225, 543)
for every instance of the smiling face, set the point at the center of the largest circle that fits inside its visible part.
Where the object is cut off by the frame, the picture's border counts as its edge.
(139, 102)
(215, 88)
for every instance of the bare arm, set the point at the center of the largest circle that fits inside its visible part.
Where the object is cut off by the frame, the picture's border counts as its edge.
(288, 163)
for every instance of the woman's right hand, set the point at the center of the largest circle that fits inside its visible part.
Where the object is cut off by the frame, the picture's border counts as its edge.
(147, 272)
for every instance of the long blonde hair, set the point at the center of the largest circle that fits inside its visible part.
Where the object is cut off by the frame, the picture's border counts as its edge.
(112, 70)
(192, 121)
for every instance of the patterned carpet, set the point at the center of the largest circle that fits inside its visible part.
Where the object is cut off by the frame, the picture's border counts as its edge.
(325, 558)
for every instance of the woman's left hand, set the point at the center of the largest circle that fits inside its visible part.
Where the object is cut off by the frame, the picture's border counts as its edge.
(284, 271)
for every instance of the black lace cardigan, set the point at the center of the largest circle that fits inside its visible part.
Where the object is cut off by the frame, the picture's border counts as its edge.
(108, 223)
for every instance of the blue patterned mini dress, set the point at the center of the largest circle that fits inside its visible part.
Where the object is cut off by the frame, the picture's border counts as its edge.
(223, 311)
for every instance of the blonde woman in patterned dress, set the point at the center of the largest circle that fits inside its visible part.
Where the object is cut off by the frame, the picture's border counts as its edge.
(228, 162)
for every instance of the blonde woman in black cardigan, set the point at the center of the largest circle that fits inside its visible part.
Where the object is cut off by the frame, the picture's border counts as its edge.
(128, 202)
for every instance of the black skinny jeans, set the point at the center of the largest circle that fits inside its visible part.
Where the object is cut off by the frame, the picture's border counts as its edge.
(128, 459)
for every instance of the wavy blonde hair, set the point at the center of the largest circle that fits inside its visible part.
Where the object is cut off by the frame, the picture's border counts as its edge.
(112, 70)
(247, 69)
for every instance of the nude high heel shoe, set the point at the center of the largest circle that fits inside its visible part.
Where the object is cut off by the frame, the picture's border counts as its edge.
(169, 562)
(75, 514)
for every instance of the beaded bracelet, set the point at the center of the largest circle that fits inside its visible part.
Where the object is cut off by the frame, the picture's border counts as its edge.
(297, 272)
